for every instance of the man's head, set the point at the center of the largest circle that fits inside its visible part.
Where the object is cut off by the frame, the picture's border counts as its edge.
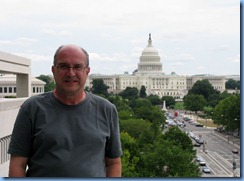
(70, 69)
(57, 51)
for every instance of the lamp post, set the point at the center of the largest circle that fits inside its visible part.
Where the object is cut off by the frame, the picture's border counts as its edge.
(234, 166)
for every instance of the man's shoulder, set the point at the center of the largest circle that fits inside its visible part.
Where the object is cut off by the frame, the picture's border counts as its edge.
(98, 99)
(38, 98)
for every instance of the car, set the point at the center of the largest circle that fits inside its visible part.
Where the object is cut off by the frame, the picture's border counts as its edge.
(198, 125)
(202, 162)
(196, 144)
(235, 151)
(198, 158)
(186, 119)
(205, 169)
(200, 141)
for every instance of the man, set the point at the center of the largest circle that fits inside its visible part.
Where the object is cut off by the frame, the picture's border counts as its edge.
(67, 132)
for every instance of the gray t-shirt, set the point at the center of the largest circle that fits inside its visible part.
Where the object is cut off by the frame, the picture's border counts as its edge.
(66, 141)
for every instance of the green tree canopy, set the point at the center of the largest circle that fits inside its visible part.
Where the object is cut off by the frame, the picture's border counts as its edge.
(232, 84)
(154, 99)
(167, 159)
(99, 87)
(203, 87)
(227, 113)
(194, 102)
(134, 127)
(129, 159)
(50, 84)
(169, 100)
(120, 103)
(179, 138)
(129, 93)
(143, 93)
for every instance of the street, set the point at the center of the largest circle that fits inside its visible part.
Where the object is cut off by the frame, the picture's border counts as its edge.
(217, 152)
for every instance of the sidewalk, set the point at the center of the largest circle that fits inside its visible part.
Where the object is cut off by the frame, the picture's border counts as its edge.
(236, 142)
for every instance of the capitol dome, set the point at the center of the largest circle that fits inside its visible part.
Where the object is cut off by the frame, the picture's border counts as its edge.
(150, 50)
(149, 60)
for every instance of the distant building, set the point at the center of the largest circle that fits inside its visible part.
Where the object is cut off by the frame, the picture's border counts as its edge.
(150, 74)
(218, 82)
(8, 85)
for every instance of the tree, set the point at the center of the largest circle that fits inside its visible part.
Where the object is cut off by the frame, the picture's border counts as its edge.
(120, 103)
(208, 110)
(170, 101)
(134, 127)
(125, 114)
(154, 99)
(129, 93)
(143, 93)
(213, 100)
(179, 138)
(165, 158)
(129, 158)
(227, 113)
(50, 84)
(194, 102)
(232, 84)
(98, 87)
(203, 87)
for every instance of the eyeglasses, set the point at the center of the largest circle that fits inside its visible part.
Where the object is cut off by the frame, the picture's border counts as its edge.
(65, 67)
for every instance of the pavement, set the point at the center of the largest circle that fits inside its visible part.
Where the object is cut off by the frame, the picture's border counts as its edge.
(228, 138)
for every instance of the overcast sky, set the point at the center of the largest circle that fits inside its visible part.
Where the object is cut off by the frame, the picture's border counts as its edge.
(191, 36)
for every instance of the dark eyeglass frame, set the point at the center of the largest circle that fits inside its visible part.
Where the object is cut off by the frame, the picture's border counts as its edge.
(66, 67)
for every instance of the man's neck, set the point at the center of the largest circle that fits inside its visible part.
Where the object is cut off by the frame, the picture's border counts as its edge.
(69, 99)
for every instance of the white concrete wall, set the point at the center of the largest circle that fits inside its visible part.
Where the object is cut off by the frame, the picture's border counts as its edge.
(10, 63)
(4, 169)
(9, 109)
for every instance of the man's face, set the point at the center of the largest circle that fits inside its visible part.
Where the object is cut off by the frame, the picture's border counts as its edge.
(70, 71)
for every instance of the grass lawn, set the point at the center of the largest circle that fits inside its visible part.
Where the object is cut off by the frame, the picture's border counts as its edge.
(208, 123)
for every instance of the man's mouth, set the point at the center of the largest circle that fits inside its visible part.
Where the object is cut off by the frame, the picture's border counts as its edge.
(70, 81)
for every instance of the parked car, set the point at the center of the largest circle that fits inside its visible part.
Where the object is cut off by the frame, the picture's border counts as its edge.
(198, 158)
(235, 151)
(200, 141)
(205, 169)
(198, 125)
(202, 162)
(186, 119)
(196, 144)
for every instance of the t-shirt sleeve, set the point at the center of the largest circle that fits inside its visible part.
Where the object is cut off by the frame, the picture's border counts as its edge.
(113, 146)
(21, 139)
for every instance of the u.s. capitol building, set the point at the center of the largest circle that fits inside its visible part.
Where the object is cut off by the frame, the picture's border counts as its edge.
(150, 74)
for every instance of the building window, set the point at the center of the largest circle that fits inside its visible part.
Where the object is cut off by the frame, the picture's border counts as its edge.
(5, 90)
(10, 90)
(1, 89)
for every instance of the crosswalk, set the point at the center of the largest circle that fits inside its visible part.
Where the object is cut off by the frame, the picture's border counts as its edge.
(219, 165)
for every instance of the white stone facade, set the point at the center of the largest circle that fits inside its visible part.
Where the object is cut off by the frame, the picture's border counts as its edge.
(150, 74)
(8, 85)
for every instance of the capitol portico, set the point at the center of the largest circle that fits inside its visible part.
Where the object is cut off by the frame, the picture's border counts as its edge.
(150, 74)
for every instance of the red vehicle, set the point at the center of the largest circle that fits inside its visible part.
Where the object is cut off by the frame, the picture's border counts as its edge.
(176, 114)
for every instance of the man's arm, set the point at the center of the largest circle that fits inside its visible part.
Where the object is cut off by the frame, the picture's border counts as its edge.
(17, 166)
(113, 167)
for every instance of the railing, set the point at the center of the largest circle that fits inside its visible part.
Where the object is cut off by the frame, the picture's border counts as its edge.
(4, 144)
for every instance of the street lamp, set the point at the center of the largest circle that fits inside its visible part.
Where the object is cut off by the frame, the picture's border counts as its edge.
(234, 165)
